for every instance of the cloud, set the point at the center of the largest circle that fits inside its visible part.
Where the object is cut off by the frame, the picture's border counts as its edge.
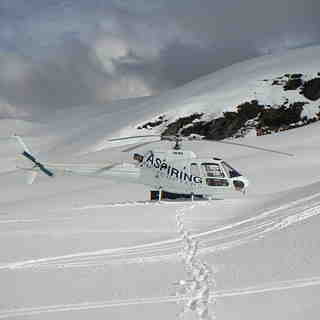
(59, 53)
(76, 76)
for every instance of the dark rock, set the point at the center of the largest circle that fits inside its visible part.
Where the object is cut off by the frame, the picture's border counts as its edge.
(249, 110)
(230, 116)
(199, 127)
(274, 118)
(296, 75)
(150, 125)
(232, 123)
(311, 89)
(293, 84)
(286, 102)
(228, 125)
(175, 127)
(222, 128)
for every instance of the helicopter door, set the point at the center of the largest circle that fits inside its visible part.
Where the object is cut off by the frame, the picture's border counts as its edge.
(195, 170)
(215, 176)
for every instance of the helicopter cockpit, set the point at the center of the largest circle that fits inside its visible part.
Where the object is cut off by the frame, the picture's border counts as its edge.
(218, 173)
(181, 173)
(232, 173)
(214, 174)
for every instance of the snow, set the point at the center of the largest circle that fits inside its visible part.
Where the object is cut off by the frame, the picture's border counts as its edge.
(77, 247)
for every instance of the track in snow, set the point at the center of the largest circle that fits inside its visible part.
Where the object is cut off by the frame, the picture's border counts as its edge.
(221, 238)
(265, 288)
(88, 207)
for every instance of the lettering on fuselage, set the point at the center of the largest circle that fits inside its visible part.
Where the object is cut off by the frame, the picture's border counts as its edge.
(170, 171)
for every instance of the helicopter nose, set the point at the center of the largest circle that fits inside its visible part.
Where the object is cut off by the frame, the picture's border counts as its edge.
(245, 181)
(240, 183)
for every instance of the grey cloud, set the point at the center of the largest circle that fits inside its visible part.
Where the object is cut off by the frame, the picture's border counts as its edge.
(64, 79)
(72, 76)
(180, 66)
(81, 52)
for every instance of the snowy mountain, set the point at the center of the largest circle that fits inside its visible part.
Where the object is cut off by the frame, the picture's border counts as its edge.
(76, 247)
(268, 103)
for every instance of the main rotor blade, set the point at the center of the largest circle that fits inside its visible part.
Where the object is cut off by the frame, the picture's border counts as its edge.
(173, 138)
(135, 137)
(138, 146)
(254, 147)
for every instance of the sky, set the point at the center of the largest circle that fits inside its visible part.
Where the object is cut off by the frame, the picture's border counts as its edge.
(61, 53)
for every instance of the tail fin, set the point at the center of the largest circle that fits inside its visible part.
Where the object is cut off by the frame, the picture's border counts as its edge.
(37, 165)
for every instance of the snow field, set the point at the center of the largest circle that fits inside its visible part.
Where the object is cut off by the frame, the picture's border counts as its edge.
(77, 247)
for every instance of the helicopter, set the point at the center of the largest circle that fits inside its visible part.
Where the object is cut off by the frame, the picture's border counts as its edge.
(169, 174)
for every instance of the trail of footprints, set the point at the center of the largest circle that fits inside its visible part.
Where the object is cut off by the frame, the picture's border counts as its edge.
(195, 292)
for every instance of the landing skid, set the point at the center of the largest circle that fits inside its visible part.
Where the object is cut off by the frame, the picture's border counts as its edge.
(155, 195)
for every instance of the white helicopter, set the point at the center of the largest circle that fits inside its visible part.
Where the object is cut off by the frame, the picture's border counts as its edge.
(169, 174)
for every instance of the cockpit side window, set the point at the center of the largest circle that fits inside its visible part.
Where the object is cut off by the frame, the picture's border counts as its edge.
(213, 170)
(230, 171)
(138, 157)
(214, 182)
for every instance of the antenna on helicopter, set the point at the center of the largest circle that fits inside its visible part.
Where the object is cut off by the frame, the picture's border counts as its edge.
(177, 145)
(177, 139)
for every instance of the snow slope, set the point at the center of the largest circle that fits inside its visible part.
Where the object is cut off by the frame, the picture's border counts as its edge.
(76, 247)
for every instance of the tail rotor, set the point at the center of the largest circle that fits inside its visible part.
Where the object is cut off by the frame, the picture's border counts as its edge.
(36, 164)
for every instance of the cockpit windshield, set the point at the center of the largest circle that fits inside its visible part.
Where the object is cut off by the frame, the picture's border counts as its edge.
(230, 171)
(213, 170)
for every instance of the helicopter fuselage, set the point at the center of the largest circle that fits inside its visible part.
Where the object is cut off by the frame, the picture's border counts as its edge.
(174, 171)
(178, 172)
(181, 172)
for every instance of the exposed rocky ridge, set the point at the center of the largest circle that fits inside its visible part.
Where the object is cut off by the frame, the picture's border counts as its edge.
(311, 89)
(151, 124)
(296, 88)
(179, 125)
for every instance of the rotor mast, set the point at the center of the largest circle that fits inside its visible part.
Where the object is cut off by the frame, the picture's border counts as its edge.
(177, 141)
